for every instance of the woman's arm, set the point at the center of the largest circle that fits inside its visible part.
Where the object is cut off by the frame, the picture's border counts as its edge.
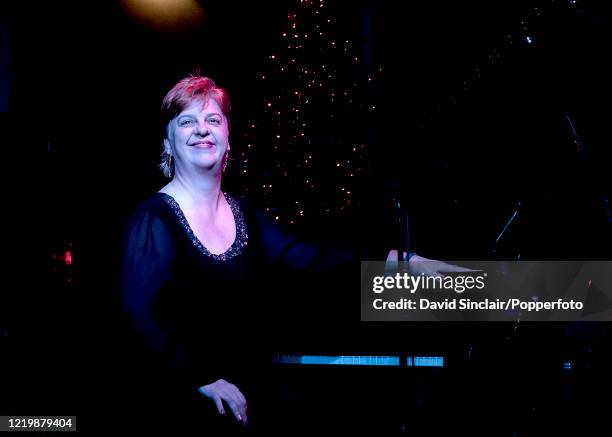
(148, 251)
(294, 253)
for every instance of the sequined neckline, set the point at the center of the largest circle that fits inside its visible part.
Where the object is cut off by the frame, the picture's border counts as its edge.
(240, 242)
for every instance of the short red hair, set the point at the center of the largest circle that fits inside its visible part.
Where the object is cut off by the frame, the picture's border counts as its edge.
(190, 89)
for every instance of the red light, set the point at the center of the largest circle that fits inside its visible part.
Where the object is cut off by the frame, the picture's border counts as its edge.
(68, 257)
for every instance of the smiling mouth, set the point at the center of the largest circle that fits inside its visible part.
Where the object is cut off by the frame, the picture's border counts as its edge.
(204, 145)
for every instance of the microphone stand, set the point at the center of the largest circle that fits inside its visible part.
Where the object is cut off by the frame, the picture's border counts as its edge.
(515, 324)
(505, 229)
(403, 226)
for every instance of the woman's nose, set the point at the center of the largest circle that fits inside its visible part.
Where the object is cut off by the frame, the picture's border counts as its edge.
(202, 129)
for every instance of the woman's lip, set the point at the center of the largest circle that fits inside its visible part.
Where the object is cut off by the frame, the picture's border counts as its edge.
(202, 144)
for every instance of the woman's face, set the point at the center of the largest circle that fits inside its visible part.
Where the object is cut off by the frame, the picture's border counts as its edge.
(198, 137)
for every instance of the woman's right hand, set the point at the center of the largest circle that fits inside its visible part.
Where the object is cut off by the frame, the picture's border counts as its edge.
(220, 391)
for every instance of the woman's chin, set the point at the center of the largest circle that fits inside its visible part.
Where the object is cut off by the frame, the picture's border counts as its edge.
(209, 167)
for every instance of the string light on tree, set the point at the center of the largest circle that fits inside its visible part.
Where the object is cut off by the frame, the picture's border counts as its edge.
(311, 119)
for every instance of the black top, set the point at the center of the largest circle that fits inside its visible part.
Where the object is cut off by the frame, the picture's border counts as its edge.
(197, 310)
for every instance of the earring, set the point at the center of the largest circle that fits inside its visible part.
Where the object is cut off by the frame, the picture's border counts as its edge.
(170, 165)
(225, 161)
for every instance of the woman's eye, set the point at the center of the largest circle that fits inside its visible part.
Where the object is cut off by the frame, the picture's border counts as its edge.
(215, 121)
(185, 122)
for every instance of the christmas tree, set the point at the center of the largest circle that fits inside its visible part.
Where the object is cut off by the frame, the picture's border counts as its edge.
(306, 146)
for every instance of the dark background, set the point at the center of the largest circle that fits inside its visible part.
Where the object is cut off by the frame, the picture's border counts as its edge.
(460, 147)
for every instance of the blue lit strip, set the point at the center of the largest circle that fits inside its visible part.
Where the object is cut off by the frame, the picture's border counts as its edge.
(342, 360)
(427, 361)
(360, 360)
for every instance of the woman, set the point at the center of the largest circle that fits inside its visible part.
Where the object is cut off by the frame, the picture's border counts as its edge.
(192, 251)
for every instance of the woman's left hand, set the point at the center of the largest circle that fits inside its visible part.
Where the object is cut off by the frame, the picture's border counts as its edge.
(428, 267)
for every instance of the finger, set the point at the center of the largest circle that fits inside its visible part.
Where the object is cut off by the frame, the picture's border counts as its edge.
(237, 402)
(234, 408)
(219, 404)
(241, 404)
(243, 407)
(241, 413)
(241, 400)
